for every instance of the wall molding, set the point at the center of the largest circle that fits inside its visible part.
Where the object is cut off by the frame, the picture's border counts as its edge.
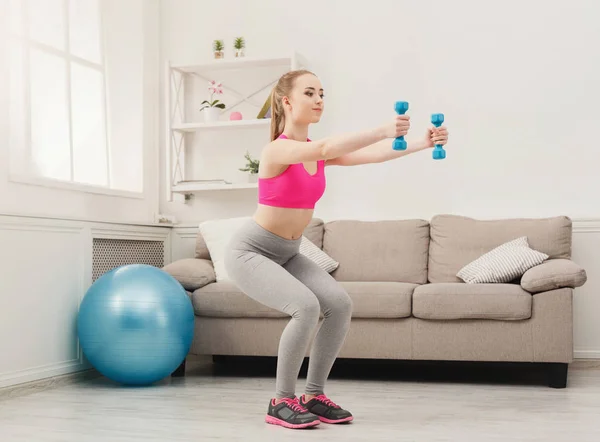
(37, 385)
(186, 232)
(81, 220)
(586, 354)
(26, 224)
(589, 225)
(44, 371)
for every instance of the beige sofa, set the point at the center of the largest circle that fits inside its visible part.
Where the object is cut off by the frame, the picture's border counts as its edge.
(408, 303)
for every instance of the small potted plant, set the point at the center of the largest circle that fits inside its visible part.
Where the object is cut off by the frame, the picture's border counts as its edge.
(252, 167)
(239, 44)
(218, 47)
(212, 107)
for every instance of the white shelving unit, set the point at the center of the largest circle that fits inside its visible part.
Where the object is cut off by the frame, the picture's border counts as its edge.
(178, 128)
(192, 127)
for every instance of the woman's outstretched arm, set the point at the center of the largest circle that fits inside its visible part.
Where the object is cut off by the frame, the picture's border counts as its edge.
(382, 151)
(286, 151)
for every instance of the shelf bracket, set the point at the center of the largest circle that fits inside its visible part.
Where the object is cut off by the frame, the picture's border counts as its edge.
(177, 174)
(244, 97)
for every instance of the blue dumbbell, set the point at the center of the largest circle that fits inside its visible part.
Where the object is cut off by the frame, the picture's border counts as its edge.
(438, 151)
(401, 108)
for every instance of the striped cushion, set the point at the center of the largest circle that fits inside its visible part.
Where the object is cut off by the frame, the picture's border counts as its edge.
(322, 259)
(503, 264)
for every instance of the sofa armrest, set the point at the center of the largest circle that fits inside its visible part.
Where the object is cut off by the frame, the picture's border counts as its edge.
(192, 273)
(553, 274)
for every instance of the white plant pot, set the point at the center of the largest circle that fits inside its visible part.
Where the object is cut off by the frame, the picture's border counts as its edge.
(211, 114)
(253, 178)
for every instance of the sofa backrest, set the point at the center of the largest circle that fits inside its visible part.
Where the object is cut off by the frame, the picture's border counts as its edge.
(458, 240)
(387, 250)
(314, 232)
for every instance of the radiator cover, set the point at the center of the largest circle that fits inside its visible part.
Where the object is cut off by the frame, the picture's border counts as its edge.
(109, 253)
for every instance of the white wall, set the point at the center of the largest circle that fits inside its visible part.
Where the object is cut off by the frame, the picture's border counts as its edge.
(586, 304)
(516, 81)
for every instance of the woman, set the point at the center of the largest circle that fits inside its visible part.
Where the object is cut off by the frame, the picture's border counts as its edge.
(263, 258)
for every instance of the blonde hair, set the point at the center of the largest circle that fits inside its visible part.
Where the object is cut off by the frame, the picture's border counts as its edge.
(283, 87)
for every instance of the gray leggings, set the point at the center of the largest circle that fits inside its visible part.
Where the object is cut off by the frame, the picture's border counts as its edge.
(270, 269)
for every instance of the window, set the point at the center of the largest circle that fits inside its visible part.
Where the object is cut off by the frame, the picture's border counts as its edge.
(75, 92)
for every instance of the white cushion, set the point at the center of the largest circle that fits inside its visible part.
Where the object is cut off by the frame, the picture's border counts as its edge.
(502, 264)
(217, 233)
(322, 259)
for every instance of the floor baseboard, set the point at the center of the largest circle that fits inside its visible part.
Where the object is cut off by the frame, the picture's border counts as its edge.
(193, 361)
(28, 388)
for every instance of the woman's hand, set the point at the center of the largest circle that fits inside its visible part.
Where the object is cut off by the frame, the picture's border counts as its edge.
(397, 127)
(436, 135)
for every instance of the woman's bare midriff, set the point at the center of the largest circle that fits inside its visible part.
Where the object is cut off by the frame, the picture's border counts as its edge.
(284, 222)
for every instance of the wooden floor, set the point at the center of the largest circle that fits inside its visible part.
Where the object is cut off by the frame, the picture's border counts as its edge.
(391, 402)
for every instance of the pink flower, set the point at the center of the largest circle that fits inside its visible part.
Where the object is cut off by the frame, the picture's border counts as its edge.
(215, 88)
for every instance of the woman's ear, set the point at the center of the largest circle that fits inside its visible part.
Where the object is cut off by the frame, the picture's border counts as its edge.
(285, 101)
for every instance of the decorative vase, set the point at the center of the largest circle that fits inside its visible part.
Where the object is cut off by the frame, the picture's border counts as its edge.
(253, 178)
(219, 54)
(239, 53)
(211, 114)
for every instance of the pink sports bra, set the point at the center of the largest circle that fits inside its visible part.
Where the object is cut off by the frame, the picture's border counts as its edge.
(294, 187)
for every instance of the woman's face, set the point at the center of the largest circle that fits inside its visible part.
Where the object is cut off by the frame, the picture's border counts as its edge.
(305, 102)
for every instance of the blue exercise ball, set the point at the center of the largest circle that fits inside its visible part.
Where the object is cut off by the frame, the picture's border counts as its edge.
(136, 324)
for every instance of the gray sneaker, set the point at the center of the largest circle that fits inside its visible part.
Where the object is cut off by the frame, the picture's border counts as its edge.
(290, 414)
(328, 411)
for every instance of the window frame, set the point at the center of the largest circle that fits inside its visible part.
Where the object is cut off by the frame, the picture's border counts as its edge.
(26, 175)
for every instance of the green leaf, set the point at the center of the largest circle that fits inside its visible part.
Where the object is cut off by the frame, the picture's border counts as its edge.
(220, 106)
(239, 43)
(252, 165)
(218, 45)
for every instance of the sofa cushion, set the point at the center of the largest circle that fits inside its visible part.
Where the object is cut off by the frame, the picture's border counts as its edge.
(379, 299)
(370, 300)
(388, 250)
(446, 301)
(457, 240)
(224, 299)
(314, 232)
(191, 273)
